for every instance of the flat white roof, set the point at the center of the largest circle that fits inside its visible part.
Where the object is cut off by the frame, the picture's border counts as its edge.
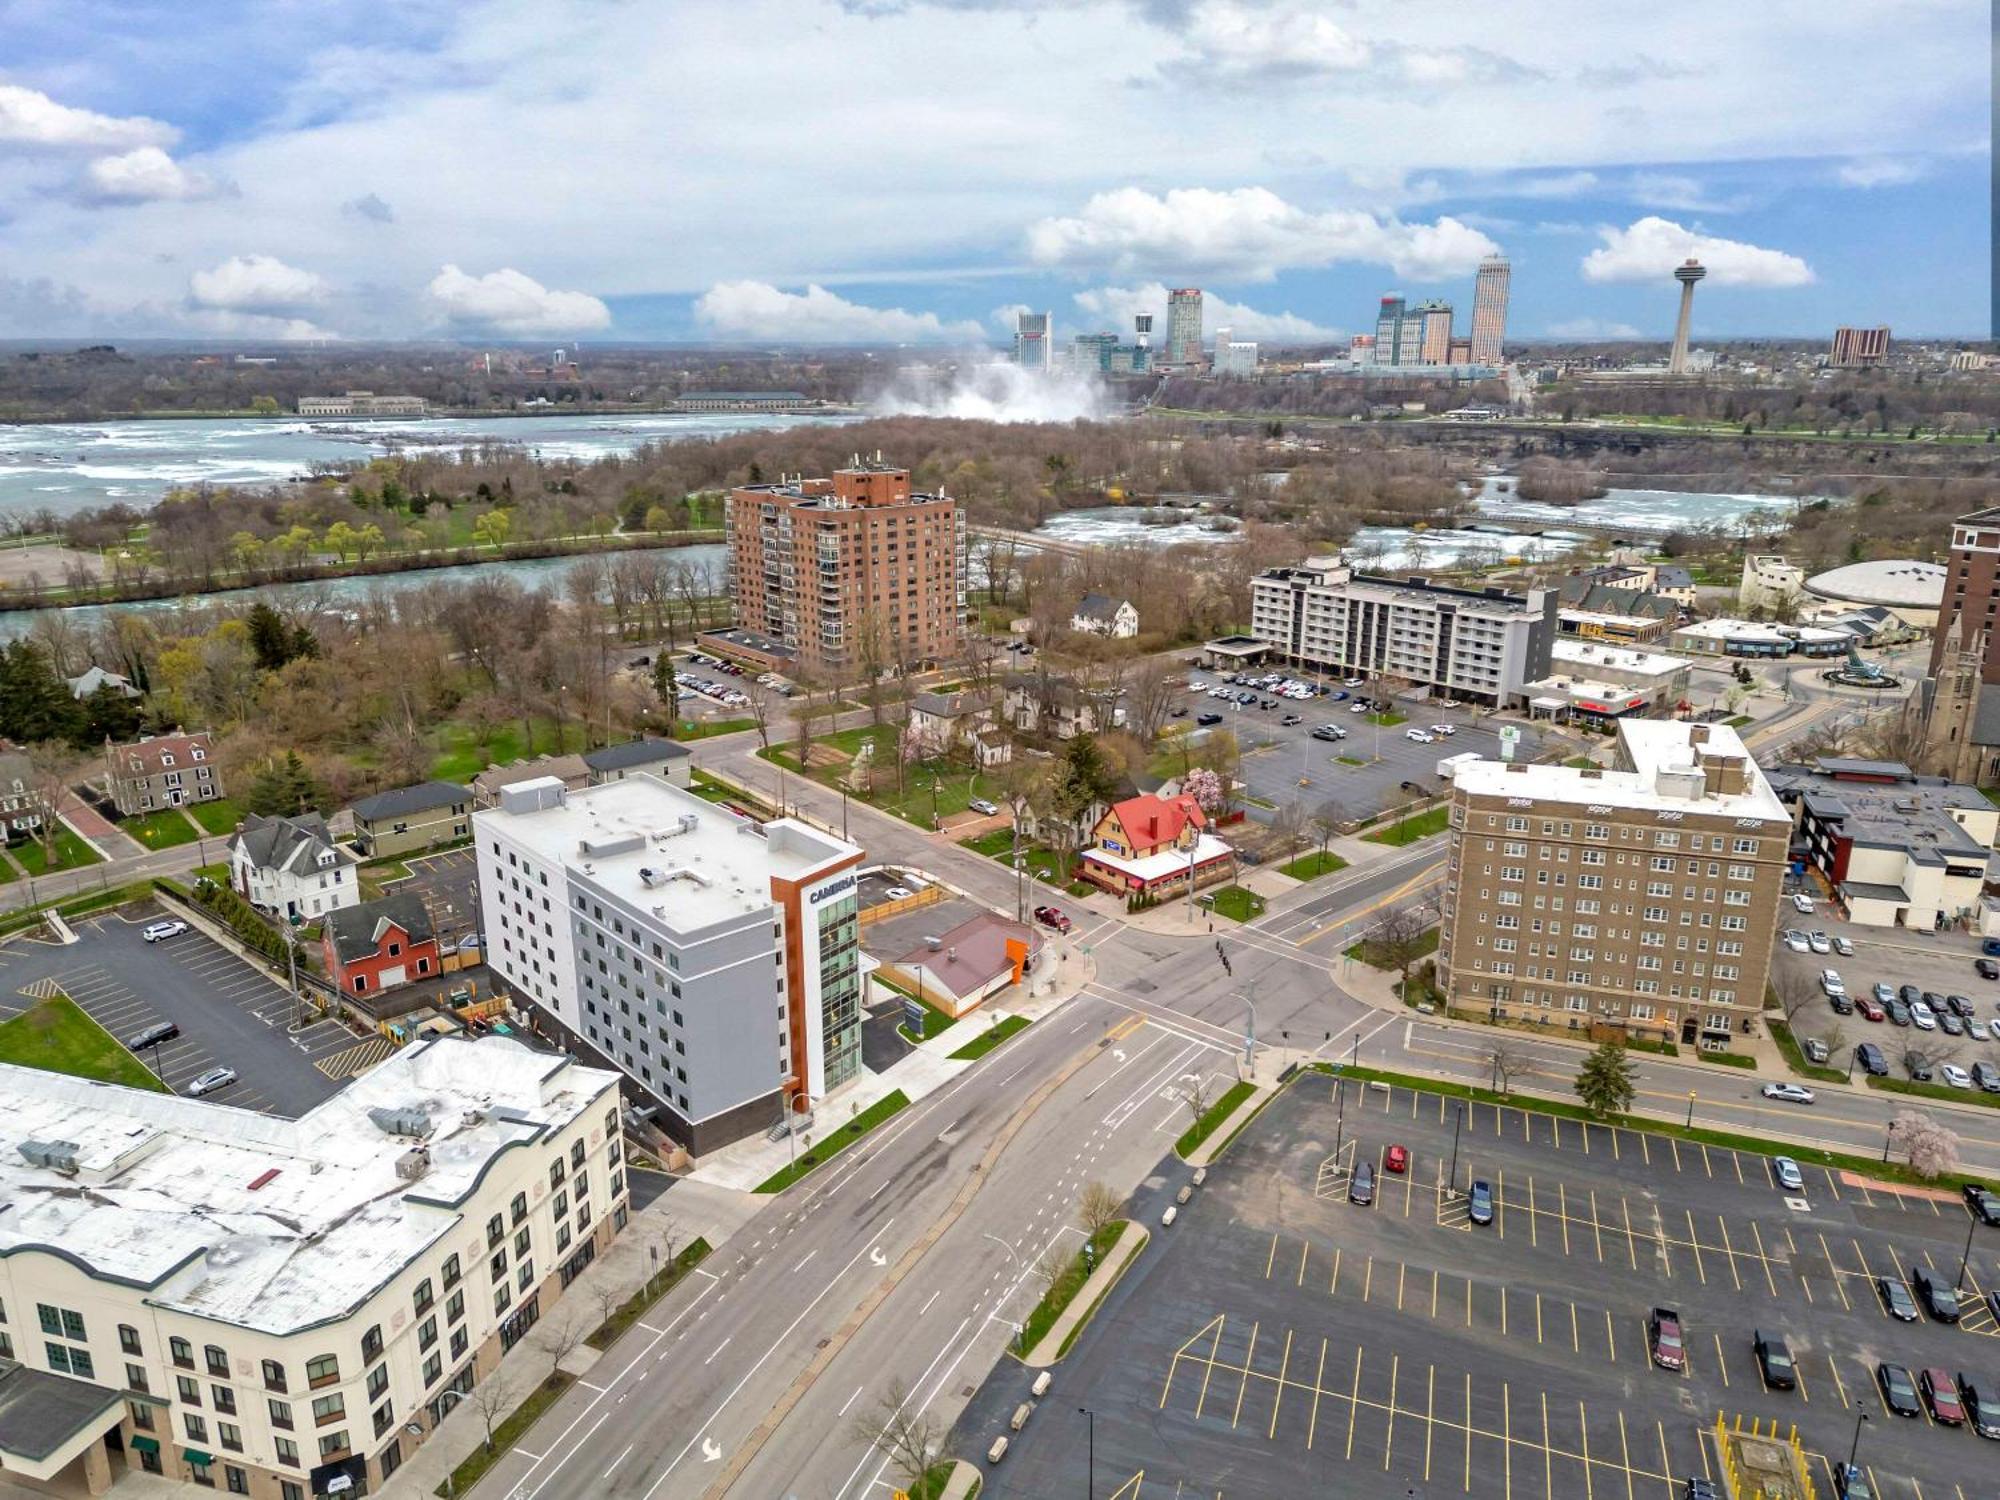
(1624, 658)
(1727, 629)
(1157, 866)
(657, 846)
(264, 1223)
(1654, 746)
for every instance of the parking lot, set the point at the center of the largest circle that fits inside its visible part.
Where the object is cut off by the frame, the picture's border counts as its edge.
(1941, 964)
(449, 886)
(230, 1014)
(1279, 1340)
(1283, 763)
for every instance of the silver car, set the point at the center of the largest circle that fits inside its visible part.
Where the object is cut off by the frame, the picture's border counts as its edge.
(209, 1082)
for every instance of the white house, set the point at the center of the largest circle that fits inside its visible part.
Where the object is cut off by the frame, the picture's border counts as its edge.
(1100, 614)
(291, 867)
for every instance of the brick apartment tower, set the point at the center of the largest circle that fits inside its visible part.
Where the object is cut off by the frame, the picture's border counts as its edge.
(816, 563)
(1971, 606)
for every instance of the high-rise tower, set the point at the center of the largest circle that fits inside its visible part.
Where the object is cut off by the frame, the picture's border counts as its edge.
(1489, 309)
(1687, 274)
(1184, 326)
(1034, 340)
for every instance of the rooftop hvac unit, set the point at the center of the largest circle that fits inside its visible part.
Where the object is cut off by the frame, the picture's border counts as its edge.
(413, 1163)
(410, 1120)
(57, 1156)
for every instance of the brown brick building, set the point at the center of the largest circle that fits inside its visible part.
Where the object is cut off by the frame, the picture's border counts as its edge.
(1971, 606)
(1641, 899)
(814, 564)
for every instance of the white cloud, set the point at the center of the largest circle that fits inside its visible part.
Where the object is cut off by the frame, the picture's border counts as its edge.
(229, 323)
(31, 118)
(1651, 247)
(1592, 328)
(1003, 317)
(255, 283)
(1112, 308)
(1246, 233)
(1879, 171)
(509, 301)
(146, 175)
(1556, 185)
(758, 310)
(1254, 39)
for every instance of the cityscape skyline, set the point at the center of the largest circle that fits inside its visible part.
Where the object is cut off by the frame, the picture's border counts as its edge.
(317, 196)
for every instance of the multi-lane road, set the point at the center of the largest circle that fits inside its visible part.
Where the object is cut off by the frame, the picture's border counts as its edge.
(897, 1274)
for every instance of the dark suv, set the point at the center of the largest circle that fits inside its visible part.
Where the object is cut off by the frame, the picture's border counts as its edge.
(1774, 1358)
(1938, 1296)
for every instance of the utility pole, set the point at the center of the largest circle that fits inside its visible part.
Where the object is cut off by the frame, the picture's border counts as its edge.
(1090, 1481)
(1457, 1120)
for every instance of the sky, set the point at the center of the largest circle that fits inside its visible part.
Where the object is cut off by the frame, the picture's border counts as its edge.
(914, 171)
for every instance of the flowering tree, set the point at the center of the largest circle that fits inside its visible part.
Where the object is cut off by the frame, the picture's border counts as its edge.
(1205, 787)
(1931, 1148)
(909, 750)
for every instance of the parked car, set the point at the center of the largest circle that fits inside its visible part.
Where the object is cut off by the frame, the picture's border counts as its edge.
(1480, 1201)
(1842, 1006)
(1981, 1400)
(1984, 1074)
(1986, 968)
(1291, 719)
(1843, 946)
(1884, 992)
(1774, 1359)
(1802, 903)
(1445, 729)
(1830, 981)
(1954, 1075)
(981, 805)
(1985, 1207)
(1909, 994)
(1819, 942)
(1396, 1159)
(1361, 1186)
(1960, 1006)
(1787, 1172)
(1052, 916)
(1873, 1063)
(1899, 1012)
(899, 893)
(1663, 1337)
(1950, 1024)
(156, 1035)
(209, 1082)
(1938, 1296)
(1697, 1488)
(1940, 1394)
(1870, 1011)
(1816, 1050)
(1917, 1066)
(1420, 736)
(1899, 1391)
(1923, 1017)
(1850, 1483)
(160, 931)
(1790, 1093)
(1205, 720)
(1896, 1299)
(1796, 940)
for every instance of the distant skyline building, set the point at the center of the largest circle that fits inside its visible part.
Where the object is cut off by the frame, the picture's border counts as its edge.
(1489, 309)
(1389, 323)
(1184, 326)
(1433, 333)
(1856, 347)
(1233, 356)
(1092, 352)
(1034, 342)
(1687, 274)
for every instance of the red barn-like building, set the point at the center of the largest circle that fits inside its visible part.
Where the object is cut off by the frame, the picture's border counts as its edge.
(379, 945)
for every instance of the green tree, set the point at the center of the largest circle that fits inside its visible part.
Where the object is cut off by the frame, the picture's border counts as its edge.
(35, 702)
(492, 529)
(109, 715)
(1079, 780)
(1608, 1080)
(264, 406)
(341, 538)
(667, 687)
(286, 788)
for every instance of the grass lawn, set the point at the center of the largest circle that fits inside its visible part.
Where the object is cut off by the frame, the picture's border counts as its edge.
(1312, 866)
(838, 1141)
(990, 1038)
(70, 852)
(1236, 903)
(1059, 1296)
(936, 1022)
(1581, 763)
(217, 872)
(1350, 760)
(998, 844)
(161, 830)
(936, 1478)
(506, 1433)
(698, 729)
(1796, 1059)
(1388, 720)
(995, 843)
(56, 1035)
(927, 789)
(219, 817)
(1366, 951)
(459, 757)
(1214, 1115)
(1409, 830)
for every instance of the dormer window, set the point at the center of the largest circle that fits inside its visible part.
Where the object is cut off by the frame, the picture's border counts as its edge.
(197, 753)
(326, 858)
(166, 758)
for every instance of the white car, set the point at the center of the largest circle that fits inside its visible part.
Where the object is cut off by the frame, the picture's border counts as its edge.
(981, 805)
(1791, 1093)
(1354, 682)
(1922, 1016)
(1843, 947)
(159, 931)
(1788, 1174)
(1421, 736)
(899, 893)
(1795, 940)
(1444, 729)
(1802, 903)
(1954, 1075)
(1818, 942)
(209, 1082)
(1357, 708)
(1993, 1029)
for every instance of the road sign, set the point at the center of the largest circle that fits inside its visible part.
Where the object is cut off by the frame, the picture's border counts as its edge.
(1510, 740)
(914, 1014)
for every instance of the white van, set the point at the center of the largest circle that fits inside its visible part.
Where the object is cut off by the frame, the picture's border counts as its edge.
(998, 1451)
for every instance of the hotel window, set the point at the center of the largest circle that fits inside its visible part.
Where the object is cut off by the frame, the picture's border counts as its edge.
(216, 1358)
(274, 1375)
(322, 1370)
(288, 1453)
(281, 1413)
(329, 1409)
(332, 1443)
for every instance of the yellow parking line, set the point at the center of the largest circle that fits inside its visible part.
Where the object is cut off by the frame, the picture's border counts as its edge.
(1799, 1374)
(1367, 1277)
(1468, 1302)
(1586, 1138)
(1389, 1442)
(1762, 1259)
(1867, 1200)
(1430, 1424)
(1596, 1233)
(1534, 1240)
(1704, 1158)
(1614, 1144)
(1243, 1384)
(1556, 1121)
(1695, 1241)
(1503, 1310)
(1401, 1271)
(1583, 1429)
(1832, 1183)
(1625, 1451)
(1500, 1203)
(1674, 1146)
(1720, 1363)
(1575, 1335)
(1734, 1156)
(1631, 1239)
(1562, 1202)
(1354, 1403)
(1434, 1295)
(1333, 1286)
(1319, 1384)
(1506, 1437)
(1304, 1250)
(1208, 1370)
(1278, 1398)
(1548, 1452)
(1610, 1339)
(1271, 1259)
(1538, 1317)
(1730, 1251)
(1839, 1276)
(1839, 1385)
(1666, 1463)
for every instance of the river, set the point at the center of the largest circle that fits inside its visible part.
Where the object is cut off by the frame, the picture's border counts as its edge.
(65, 467)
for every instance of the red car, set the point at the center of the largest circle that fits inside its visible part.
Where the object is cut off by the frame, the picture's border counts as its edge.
(1941, 1395)
(1396, 1159)
(1663, 1336)
(1868, 1008)
(1051, 916)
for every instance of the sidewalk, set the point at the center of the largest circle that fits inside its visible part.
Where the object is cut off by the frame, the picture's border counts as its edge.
(1206, 1152)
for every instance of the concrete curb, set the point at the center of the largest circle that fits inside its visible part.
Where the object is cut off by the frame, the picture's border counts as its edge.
(1132, 1239)
(964, 1481)
(1227, 1130)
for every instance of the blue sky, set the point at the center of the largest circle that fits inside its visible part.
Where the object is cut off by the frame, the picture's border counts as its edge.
(909, 170)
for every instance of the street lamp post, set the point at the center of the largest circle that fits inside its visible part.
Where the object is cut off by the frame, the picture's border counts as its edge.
(1090, 1480)
(1888, 1139)
(1971, 1226)
(1457, 1120)
(1690, 1119)
(1854, 1447)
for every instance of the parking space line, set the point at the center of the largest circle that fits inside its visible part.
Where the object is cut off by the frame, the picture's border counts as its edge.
(1468, 1432)
(1271, 1259)
(1675, 1147)
(1832, 1183)
(1737, 1157)
(1208, 1370)
(1333, 1286)
(1610, 1339)
(1367, 1277)
(1548, 1452)
(1304, 1250)
(1695, 1242)
(1284, 1368)
(1720, 1363)
(1839, 1385)
(1389, 1437)
(1538, 1317)
(1353, 1404)
(1434, 1294)
(1575, 1334)
(1762, 1259)
(1596, 1234)
(1402, 1270)
(1562, 1201)
(1705, 1166)
(1583, 1430)
(1586, 1137)
(1625, 1453)
(1534, 1239)
(1319, 1385)
(1729, 1251)
(1430, 1418)
(1666, 1463)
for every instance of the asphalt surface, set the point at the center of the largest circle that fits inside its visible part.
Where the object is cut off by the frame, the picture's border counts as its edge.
(1279, 1340)
(230, 1013)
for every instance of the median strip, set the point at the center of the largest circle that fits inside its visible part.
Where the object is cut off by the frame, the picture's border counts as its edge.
(1066, 1306)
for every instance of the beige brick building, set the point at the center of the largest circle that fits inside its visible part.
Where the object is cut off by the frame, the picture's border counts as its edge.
(285, 1308)
(816, 563)
(1641, 898)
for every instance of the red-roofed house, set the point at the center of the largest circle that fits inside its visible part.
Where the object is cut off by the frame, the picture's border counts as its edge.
(1149, 845)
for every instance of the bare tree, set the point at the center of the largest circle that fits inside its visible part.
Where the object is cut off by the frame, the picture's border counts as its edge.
(56, 769)
(1932, 1150)
(1326, 822)
(493, 1398)
(1096, 1207)
(1510, 1064)
(1197, 1099)
(1794, 990)
(902, 1433)
(1288, 827)
(561, 1335)
(1152, 696)
(1399, 937)
(1049, 1268)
